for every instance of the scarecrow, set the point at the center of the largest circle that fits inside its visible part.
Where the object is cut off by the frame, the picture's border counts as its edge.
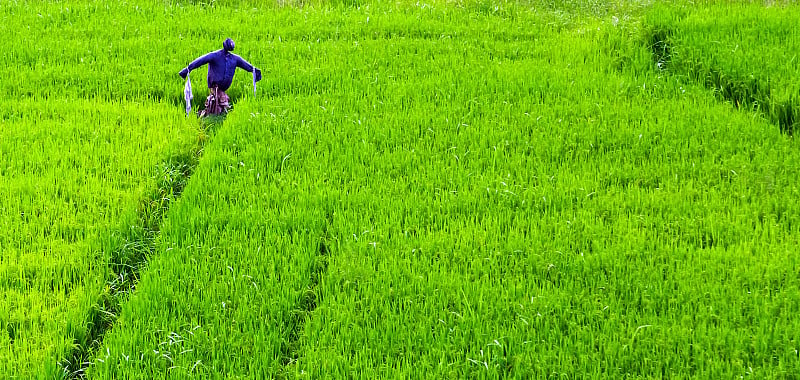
(222, 65)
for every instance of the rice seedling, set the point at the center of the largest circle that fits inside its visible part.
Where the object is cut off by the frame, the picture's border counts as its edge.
(418, 189)
(745, 52)
(67, 184)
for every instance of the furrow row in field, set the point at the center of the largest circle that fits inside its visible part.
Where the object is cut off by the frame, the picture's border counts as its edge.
(71, 172)
(420, 189)
(481, 217)
(745, 53)
(235, 268)
(133, 244)
(309, 299)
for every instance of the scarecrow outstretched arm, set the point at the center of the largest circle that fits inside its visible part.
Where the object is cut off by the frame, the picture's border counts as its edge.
(196, 63)
(246, 66)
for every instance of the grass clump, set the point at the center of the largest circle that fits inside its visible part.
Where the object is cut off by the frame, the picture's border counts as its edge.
(493, 201)
(744, 52)
(420, 189)
(73, 172)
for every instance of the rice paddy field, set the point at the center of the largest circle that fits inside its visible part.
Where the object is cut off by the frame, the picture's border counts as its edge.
(417, 189)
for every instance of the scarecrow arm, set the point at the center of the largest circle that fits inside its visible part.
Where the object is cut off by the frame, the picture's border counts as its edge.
(246, 66)
(195, 64)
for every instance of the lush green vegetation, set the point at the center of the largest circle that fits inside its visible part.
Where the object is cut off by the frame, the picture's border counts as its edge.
(73, 171)
(747, 53)
(474, 189)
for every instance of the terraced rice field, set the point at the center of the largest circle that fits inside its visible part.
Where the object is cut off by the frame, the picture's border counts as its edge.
(470, 189)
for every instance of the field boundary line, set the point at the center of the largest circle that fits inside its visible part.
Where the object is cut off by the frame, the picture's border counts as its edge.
(309, 299)
(136, 244)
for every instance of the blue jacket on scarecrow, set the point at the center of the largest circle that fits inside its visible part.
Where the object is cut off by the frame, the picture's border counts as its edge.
(222, 65)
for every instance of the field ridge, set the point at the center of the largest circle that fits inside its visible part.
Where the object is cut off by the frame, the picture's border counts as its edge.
(471, 189)
(677, 48)
(136, 245)
(308, 299)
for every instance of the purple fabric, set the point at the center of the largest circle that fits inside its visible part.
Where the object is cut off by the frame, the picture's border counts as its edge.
(221, 67)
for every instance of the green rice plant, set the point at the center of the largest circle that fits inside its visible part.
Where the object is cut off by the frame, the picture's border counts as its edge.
(419, 189)
(479, 252)
(415, 198)
(745, 52)
(73, 170)
(231, 270)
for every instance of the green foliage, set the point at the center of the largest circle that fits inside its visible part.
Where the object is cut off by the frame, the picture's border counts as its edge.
(745, 52)
(419, 189)
(72, 171)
